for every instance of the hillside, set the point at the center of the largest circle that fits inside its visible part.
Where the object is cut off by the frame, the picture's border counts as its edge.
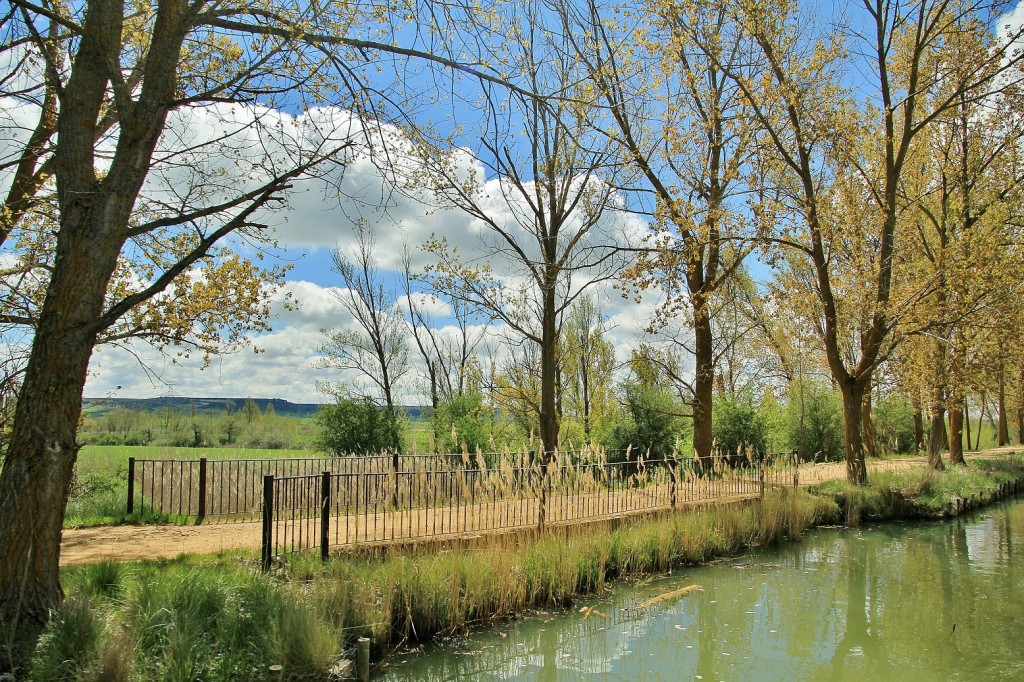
(99, 406)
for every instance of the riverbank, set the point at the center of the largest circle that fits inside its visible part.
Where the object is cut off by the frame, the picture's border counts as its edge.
(217, 618)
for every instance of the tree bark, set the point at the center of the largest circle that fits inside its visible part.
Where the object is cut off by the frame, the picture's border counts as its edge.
(1020, 409)
(870, 445)
(704, 379)
(967, 423)
(548, 375)
(938, 439)
(94, 218)
(37, 472)
(918, 426)
(853, 404)
(1004, 430)
(956, 432)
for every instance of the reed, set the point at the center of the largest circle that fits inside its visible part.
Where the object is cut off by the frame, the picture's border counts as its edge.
(219, 618)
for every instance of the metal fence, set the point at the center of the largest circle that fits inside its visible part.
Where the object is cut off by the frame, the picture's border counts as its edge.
(231, 489)
(442, 499)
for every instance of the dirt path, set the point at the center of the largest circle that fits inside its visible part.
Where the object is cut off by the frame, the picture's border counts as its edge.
(132, 543)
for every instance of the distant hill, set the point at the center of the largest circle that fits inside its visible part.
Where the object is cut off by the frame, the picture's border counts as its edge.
(99, 406)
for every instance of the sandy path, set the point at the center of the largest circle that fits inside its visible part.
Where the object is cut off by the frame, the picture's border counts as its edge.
(131, 543)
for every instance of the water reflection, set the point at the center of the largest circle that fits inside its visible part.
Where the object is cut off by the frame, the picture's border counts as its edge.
(908, 602)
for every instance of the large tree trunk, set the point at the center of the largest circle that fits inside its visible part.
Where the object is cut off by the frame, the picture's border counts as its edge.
(548, 376)
(967, 423)
(853, 404)
(1004, 430)
(918, 426)
(704, 382)
(870, 446)
(94, 219)
(938, 439)
(956, 431)
(1020, 409)
(37, 472)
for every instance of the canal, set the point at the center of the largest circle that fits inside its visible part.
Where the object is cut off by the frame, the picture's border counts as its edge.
(904, 601)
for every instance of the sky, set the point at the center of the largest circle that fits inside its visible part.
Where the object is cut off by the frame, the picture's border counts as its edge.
(316, 220)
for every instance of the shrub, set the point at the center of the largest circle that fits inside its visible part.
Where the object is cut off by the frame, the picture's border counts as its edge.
(814, 422)
(894, 425)
(357, 427)
(462, 420)
(737, 425)
(654, 422)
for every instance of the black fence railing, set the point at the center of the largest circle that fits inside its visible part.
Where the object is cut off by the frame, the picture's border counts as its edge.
(333, 509)
(231, 489)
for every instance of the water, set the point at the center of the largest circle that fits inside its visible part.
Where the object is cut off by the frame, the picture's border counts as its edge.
(932, 601)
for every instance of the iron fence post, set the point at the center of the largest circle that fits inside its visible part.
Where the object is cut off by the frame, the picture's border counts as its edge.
(202, 490)
(266, 548)
(131, 485)
(325, 514)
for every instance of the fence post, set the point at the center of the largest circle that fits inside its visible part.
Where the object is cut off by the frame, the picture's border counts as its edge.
(131, 485)
(394, 480)
(325, 514)
(202, 489)
(268, 522)
(796, 470)
(760, 475)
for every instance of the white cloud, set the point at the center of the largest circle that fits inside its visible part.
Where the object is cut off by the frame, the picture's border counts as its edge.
(251, 143)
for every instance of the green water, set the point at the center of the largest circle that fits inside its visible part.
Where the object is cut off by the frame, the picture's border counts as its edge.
(874, 603)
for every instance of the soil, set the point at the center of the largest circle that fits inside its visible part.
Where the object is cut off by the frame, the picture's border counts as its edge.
(134, 543)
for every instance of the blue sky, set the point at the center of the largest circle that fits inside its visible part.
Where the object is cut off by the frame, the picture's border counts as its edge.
(315, 221)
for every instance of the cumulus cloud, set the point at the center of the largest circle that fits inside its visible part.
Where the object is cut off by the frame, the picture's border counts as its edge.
(213, 152)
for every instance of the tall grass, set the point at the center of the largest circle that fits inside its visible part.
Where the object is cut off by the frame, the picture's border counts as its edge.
(217, 618)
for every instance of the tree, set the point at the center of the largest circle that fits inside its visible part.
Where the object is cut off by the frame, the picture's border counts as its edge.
(588, 361)
(687, 128)
(113, 163)
(841, 162)
(448, 353)
(548, 234)
(739, 427)
(376, 350)
(250, 411)
(654, 421)
(357, 427)
(462, 421)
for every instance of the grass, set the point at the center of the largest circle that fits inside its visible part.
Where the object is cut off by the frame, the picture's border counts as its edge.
(217, 618)
(922, 493)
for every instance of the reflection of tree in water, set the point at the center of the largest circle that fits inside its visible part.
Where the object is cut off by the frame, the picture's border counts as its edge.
(861, 631)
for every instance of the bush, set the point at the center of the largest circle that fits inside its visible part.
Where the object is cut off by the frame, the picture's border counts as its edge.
(654, 423)
(462, 421)
(894, 425)
(738, 426)
(814, 422)
(357, 427)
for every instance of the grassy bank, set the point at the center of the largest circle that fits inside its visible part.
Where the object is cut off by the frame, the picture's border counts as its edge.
(217, 618)
(919, 493)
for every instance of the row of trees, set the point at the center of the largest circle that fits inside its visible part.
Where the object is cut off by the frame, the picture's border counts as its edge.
(884, 204)
(234, 426)
(869, 159)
